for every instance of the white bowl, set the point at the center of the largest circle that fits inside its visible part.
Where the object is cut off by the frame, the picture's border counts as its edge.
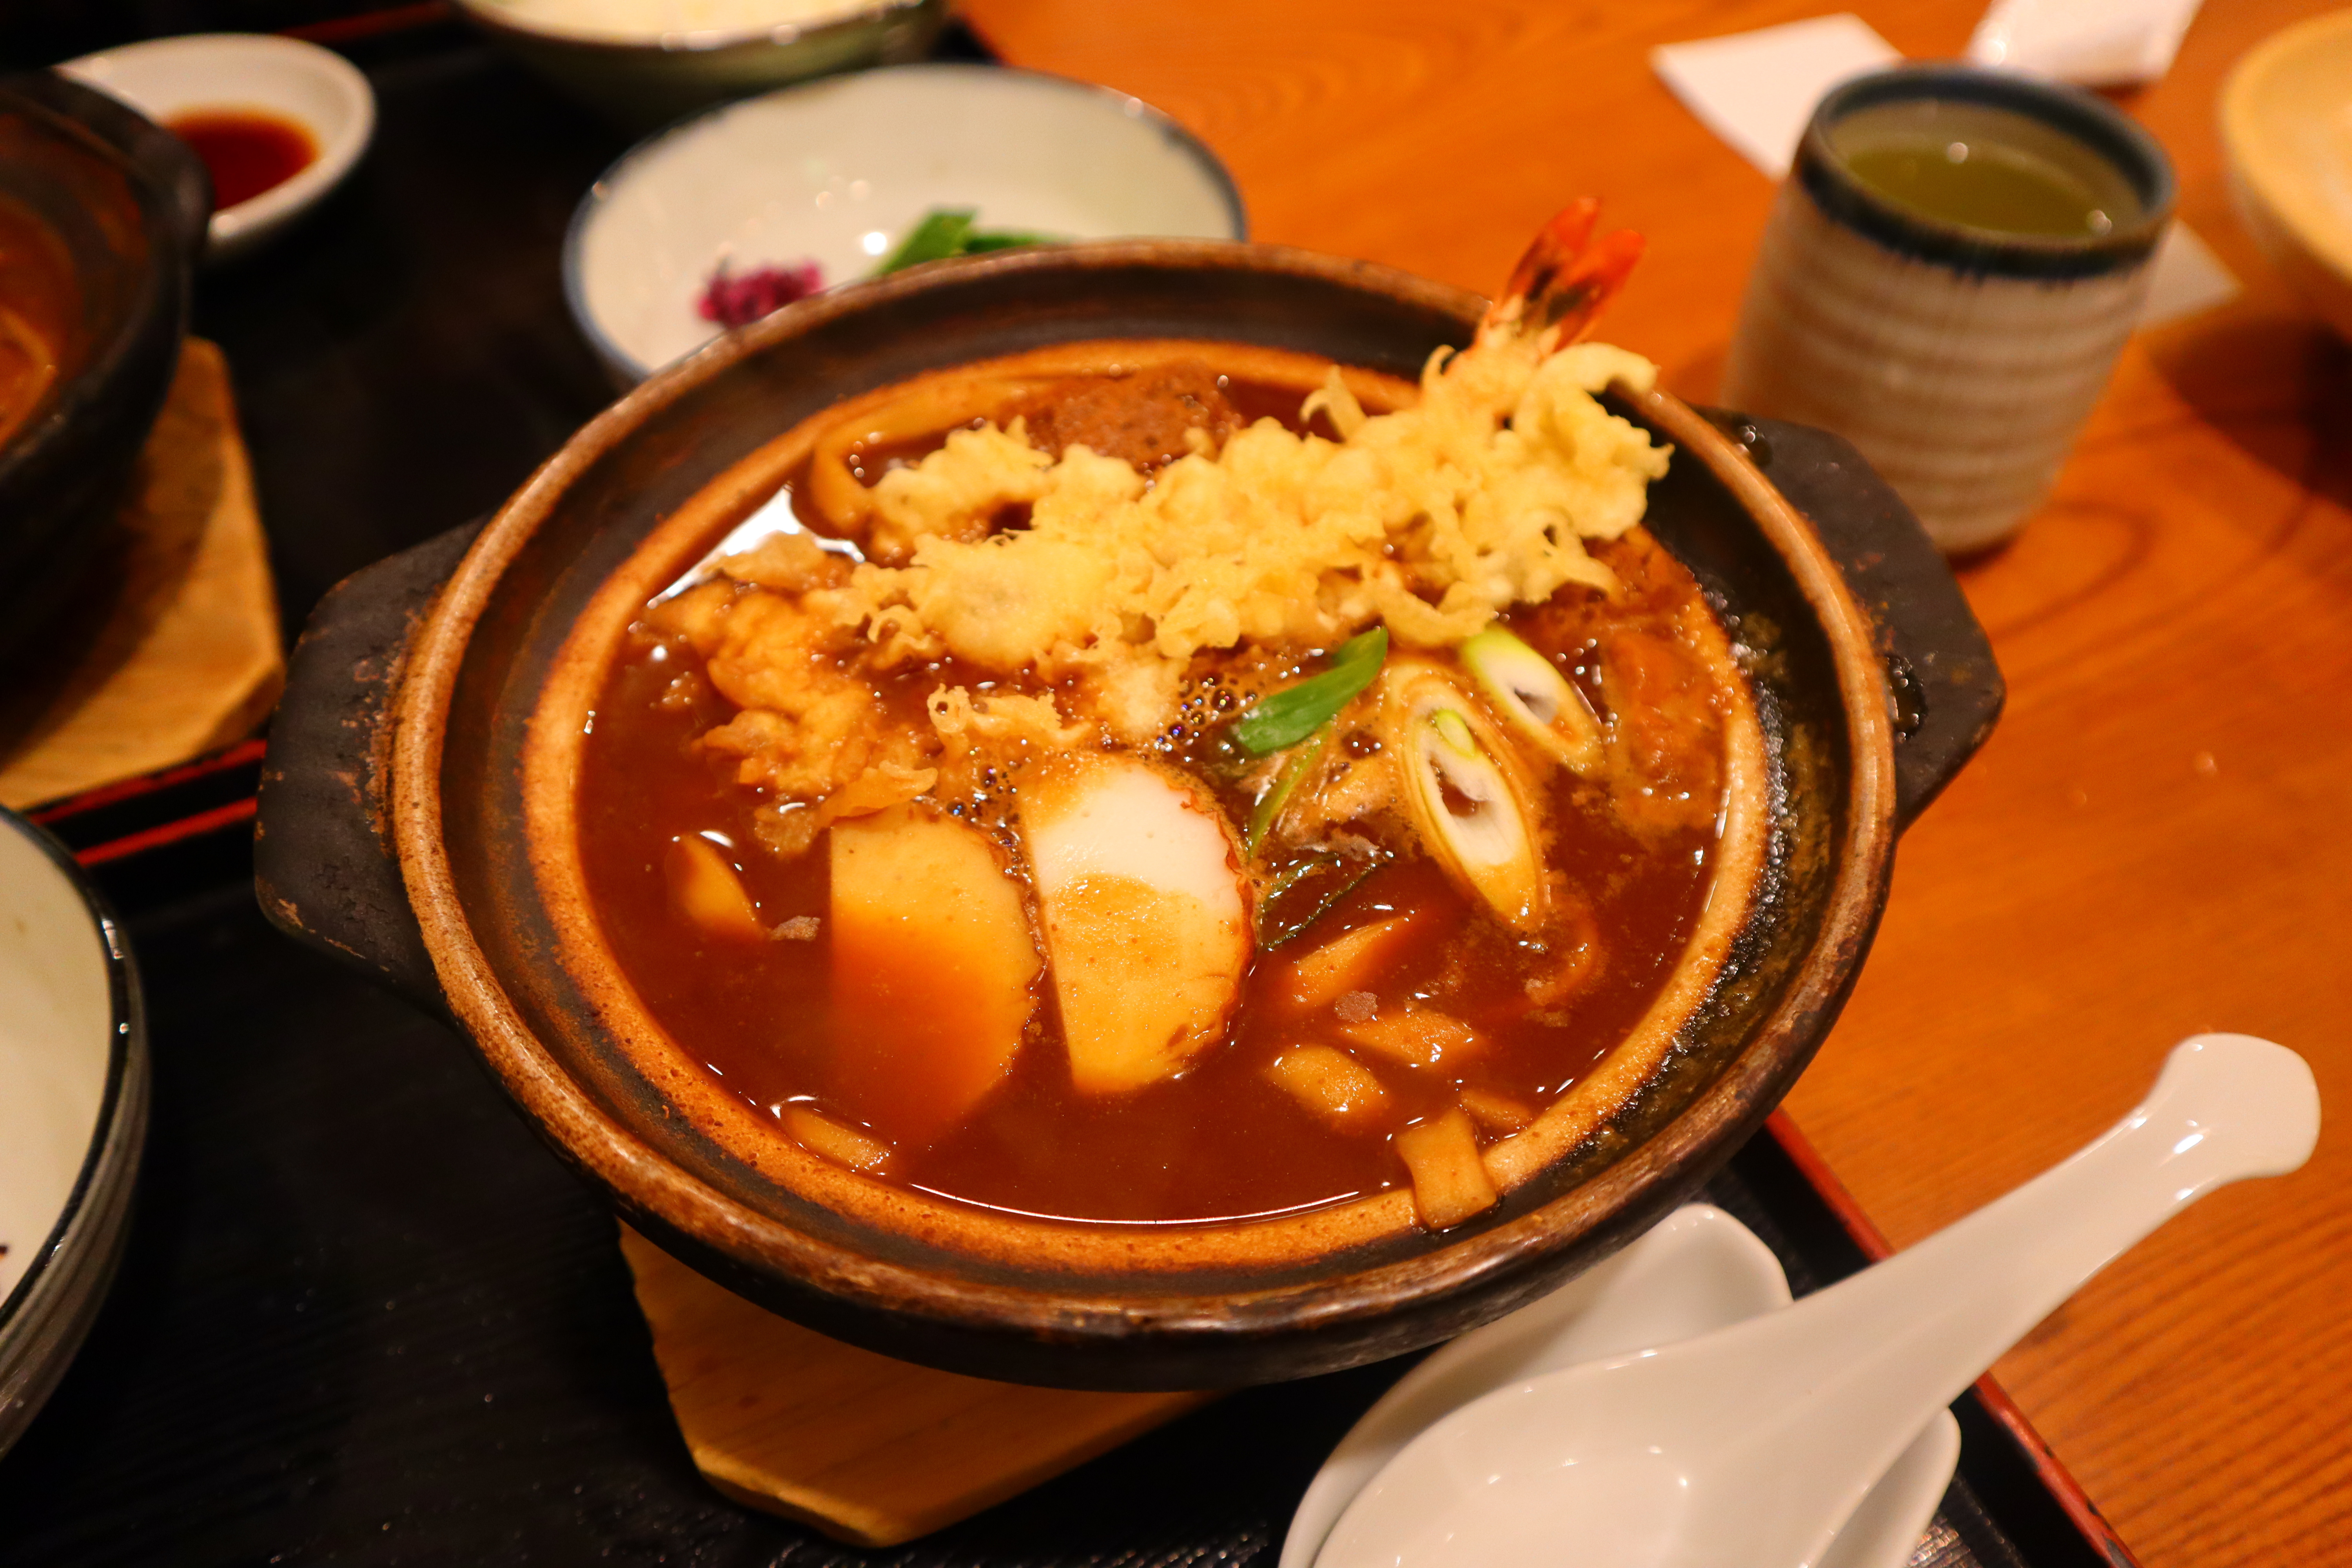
(2286, 132)
(837, 171)
(702, 52)
(73, 1113)
(317, 89)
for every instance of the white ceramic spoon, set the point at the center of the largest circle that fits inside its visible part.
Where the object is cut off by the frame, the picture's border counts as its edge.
(1696, 1270)
(1754, 1443)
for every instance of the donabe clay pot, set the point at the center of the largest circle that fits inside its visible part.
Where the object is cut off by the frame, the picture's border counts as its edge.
(393, 821)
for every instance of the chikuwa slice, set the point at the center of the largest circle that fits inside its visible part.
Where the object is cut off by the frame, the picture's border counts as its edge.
(934, 972)
(1146, 924)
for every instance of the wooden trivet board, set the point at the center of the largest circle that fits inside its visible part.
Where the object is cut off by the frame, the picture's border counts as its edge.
(188, 655)
(870, 1450)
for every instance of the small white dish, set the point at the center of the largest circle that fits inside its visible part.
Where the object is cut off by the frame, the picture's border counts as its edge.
(837, 171)
(283, 77)
(646, 62)
(1696, 1271)
(73, 1113)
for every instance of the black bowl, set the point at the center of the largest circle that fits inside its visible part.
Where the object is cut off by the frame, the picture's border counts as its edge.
(126, 202)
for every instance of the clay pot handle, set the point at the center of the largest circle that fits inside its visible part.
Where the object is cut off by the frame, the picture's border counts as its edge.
(323, 863)
(1948, 690)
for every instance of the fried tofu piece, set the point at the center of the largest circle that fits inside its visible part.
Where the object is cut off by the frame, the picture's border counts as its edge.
(844, 1145)
(709, 892)
(1333, 1085)
(1450, 1182)
(1412, 1034)
(1345, 964)
(934, 971)
(1496, 1112)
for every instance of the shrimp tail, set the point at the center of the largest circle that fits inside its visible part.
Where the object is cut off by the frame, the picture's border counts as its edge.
(1565, 278)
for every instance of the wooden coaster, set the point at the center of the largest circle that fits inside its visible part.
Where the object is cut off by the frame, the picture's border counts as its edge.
(180, 652)
(870, 1450)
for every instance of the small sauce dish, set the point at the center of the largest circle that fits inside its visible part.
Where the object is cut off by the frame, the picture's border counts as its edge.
(278, 122)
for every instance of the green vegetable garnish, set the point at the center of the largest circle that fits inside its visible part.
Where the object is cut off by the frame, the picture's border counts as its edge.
(1306, 890)
(940, 235)
(1292, 714)
(947, 231)
(1004, 239)
(1287, 780)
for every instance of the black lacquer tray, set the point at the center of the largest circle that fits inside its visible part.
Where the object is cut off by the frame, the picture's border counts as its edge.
(365, 1317)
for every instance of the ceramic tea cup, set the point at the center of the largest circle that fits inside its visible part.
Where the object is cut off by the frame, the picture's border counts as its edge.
(1947, 277)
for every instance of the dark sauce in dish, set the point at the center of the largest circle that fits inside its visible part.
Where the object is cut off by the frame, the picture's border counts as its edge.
(248, 151)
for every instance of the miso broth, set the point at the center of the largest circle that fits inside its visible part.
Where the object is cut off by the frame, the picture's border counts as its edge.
(1523, 1008)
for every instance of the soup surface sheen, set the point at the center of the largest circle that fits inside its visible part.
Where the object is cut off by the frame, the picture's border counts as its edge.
(1466, 1021)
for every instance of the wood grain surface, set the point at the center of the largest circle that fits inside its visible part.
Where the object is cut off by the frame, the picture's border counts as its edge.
(870, 1450)
(185, 656)
(2155, 840)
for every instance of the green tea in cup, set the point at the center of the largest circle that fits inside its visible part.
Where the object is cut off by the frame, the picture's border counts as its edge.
(1984, 168)
(1950, 271)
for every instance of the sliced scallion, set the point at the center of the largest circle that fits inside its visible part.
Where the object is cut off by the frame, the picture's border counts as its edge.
(1295, 712)
(1294, 769)
(1527, 690)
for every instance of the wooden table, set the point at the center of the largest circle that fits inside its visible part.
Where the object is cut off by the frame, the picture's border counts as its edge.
(2155, 840)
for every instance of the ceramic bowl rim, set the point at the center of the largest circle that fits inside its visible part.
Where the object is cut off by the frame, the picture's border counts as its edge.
(2286, 200)
(599, 192)
(126, 1035)
(1349, 1294)
(709, 41)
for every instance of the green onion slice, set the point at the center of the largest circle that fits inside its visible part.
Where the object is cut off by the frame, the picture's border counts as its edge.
(1295, 712)
(1286, 779)
(1536, 700)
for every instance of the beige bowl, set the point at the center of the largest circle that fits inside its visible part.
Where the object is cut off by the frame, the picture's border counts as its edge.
(2286, 128)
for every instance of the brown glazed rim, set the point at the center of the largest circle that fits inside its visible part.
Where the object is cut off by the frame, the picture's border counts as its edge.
(649, 1182)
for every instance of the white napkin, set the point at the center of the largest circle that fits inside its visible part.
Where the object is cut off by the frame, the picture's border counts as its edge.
(2098, 43)
(2185, 278)
(1757, 89)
